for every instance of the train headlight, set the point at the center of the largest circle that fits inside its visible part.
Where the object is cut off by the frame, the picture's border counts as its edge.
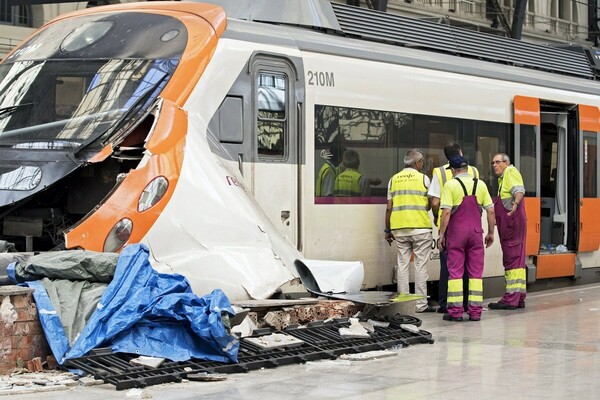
(118, 235)
(152, 193)
(85, 35)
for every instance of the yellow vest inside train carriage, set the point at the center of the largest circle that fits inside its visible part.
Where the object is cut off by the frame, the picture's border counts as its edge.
(346, 183)
(409, 200)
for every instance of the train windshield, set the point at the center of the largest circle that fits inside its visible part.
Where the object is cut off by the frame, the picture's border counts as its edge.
(56, 105)
(80, 80)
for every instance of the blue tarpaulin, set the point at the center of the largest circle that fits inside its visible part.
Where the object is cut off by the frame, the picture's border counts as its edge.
(147, 313)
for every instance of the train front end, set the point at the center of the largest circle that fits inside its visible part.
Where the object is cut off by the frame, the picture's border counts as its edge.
(91, 126)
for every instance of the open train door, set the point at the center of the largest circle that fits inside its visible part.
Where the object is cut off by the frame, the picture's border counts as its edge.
(527, 160)
(589, 205)
(549, 150)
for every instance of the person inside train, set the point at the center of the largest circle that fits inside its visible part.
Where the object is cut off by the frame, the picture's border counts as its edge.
(324, 186)
(408, 224)
(463, 199)
(440, 176)
(350, 182)
(512, 230)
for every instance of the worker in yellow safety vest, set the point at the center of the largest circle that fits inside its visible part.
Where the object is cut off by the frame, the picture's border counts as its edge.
(350, 182)
(325, 182)
(407, 223)
(512, 230)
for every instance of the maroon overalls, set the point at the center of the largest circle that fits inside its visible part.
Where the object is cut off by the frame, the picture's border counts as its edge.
(464, 244)
(512, 231)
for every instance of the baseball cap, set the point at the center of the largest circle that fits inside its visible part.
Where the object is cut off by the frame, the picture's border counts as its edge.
(458, 162)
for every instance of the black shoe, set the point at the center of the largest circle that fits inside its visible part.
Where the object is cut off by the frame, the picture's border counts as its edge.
(501, 306)
(521, 306)
(448, 317)
(474, 318)
(442, 310)
(428, 309)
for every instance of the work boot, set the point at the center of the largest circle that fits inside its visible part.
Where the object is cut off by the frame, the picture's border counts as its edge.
(500, 306)
(442, 310)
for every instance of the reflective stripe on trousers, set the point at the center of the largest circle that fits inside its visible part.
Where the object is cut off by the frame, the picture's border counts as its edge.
(512, 231)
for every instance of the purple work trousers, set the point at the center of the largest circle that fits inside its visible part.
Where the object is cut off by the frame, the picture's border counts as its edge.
(512, 230)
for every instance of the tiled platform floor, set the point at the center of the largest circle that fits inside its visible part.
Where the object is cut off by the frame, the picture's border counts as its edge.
(549, 350)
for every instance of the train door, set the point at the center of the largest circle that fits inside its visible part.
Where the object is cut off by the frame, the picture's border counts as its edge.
(527, 148)
(277, 115)
(589, 217)
(547, 149)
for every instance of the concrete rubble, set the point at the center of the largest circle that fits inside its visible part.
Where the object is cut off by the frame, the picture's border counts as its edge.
(22, 382)
(279, 318)
(147, 362)
(356, 330)
(369, 355)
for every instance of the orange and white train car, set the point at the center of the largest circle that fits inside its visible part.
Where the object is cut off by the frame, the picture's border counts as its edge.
(198, 129)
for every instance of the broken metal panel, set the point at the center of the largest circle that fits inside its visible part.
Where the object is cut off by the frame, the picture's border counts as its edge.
(313, 276)
(331, 276)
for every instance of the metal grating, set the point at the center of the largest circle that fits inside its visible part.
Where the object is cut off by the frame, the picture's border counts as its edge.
(394, 29)
(321, 341)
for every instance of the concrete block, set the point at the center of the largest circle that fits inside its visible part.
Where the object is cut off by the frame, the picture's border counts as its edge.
(369, 355)
(147, 362)
(274, 340)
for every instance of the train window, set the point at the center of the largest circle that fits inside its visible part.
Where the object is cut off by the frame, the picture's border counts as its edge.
(430, 135)
(590, 164)
(271, 115)
(528, 158)
(381, 139)
(491, 138)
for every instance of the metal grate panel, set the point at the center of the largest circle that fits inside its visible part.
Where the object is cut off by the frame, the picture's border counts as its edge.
(321, 341)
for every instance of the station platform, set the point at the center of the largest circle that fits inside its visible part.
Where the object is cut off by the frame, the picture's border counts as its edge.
(548, 350)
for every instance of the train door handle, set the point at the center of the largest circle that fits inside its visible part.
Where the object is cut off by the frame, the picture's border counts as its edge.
(537, 227)
(241, 163)
(285, 217)
(581, 226)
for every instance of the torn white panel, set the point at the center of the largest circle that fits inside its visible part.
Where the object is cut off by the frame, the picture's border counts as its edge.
(332, 276)
(214, 233)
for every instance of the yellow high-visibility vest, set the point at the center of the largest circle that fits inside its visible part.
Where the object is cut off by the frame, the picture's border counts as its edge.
(409, 201)
(346, 183)
(444, 175)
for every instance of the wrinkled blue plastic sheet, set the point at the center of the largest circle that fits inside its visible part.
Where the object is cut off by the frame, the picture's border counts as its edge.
(147, 313)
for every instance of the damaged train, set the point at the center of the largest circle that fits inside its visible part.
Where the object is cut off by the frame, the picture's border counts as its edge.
(200, 128)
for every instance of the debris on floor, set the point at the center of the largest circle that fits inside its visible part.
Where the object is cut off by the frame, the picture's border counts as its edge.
(370, 355)
(354, 331)
(147, 362)
(21, 382)
(269, 314)
(274, 340)
(319, 340)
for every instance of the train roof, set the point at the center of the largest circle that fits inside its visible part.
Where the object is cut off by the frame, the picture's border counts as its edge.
(376, 26)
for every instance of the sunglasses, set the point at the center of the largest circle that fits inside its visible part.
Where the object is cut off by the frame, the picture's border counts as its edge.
(497, 162)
